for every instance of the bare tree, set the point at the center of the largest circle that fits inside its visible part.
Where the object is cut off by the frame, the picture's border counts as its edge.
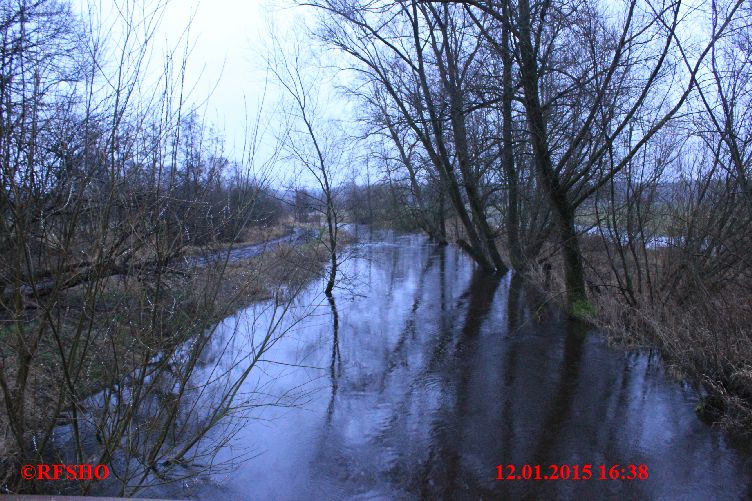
(426, 85)
(310, 138)
(107, 337)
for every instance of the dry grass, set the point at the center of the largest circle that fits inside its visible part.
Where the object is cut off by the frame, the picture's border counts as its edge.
(251, 235)
(698, 344)
(704, 337)
(132, 319)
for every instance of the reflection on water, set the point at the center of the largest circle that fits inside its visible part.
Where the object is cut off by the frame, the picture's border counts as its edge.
(426, 374)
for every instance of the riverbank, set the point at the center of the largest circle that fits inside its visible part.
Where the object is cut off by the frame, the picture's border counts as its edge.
(704, 337)
(120, 323)
(248, 237)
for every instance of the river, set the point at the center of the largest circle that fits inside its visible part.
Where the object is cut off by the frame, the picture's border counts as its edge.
(436, 374)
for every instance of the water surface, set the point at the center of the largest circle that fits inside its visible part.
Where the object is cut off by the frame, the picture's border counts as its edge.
(435, 374)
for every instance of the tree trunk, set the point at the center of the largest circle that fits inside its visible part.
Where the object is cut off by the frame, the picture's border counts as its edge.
(507, 154)
(563, 213)
(441, 157)
(471, 187)
(574, 274)
(332, 228)
(441, 223)
(452, 80)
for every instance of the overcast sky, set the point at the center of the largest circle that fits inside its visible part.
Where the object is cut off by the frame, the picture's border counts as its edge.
(226, 70)
(226, 65)
(230, 39)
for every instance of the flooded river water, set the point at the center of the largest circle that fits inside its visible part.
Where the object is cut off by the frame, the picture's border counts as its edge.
(434, 374)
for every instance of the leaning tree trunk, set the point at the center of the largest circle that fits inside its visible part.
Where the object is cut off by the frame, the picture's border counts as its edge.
(453, 84)
(441, 158)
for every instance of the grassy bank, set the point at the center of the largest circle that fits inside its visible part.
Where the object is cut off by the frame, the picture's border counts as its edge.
(703, 334)
(249, 236)
(102, 331)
